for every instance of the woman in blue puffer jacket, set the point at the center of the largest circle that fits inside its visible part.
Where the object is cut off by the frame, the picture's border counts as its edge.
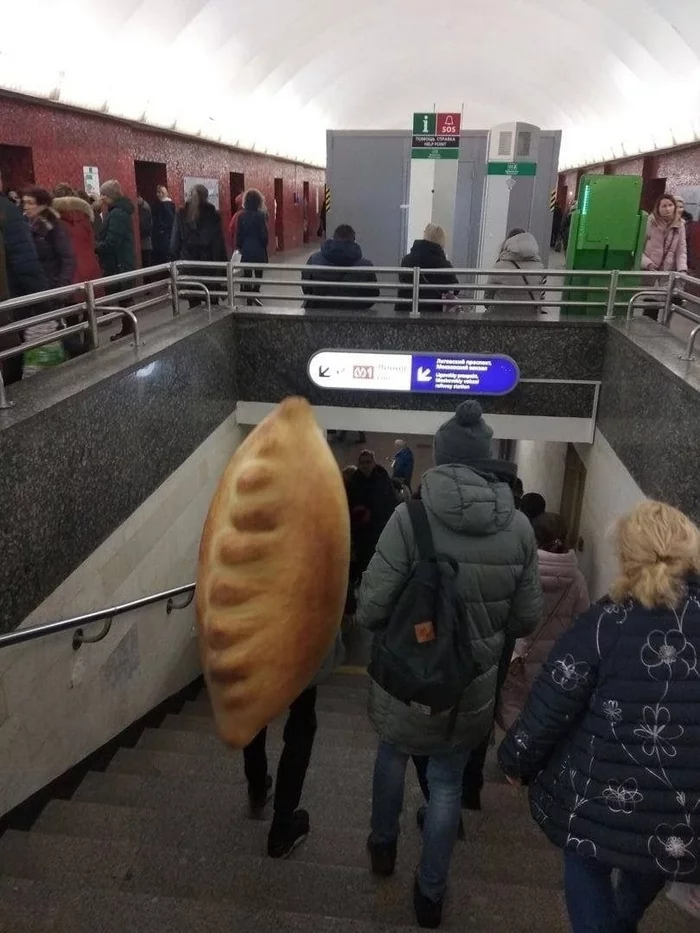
(609, 737)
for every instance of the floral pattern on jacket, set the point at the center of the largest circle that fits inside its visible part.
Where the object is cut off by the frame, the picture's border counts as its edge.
(608, 738)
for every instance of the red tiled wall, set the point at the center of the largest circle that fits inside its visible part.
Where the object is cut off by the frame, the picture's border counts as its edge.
(630, 167)
(64, 140)
(680, 168)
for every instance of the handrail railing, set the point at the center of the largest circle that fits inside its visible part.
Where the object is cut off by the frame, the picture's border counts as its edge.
(100, 615)
(609, 290)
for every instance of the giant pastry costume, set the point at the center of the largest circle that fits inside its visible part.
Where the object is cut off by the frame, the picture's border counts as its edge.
(273, 571)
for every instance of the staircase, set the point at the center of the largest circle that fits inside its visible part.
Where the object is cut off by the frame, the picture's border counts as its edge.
(160, 843)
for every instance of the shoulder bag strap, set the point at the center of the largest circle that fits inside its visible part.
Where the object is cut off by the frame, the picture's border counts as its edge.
(549, 618)
(524, 278)
(421, 529)
(667, 249)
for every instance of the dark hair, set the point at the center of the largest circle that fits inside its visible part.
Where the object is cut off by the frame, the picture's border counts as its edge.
(42, 197)
(198, 196)
(344, 232)
(252, 200)
(84, 196)
(63, 190)
(514, 232)
(550, 533)
(366, 453)
(533, 504)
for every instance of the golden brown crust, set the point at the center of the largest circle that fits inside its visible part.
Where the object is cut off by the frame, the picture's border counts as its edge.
(273, 567)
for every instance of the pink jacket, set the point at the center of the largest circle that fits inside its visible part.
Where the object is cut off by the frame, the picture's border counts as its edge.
(560, 577)
(666, 249)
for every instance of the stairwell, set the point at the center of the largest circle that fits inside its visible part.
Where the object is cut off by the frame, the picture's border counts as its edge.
(160, 842)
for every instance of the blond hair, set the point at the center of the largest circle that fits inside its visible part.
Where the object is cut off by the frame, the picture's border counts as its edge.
(658, 547)
(435, 234)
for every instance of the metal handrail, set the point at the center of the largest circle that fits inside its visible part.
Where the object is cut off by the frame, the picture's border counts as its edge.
(100, 615)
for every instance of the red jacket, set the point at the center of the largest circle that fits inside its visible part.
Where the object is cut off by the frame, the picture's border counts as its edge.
(77, 215)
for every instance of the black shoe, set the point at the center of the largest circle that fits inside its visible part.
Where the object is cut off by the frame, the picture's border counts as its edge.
(471, 799)
(122, 333)
(257, 802)
(428, 913)
(383, 857)
(420, 820)
(282, 841)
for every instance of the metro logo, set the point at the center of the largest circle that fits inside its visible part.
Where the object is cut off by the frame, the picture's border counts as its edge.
(363, 372)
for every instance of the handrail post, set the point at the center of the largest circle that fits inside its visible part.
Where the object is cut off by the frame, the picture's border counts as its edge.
(4, 404)
(689, 358)
(174, 296)
(668, 304)
(415, 294)
(91, 315)
(231, 279)
(612, 294)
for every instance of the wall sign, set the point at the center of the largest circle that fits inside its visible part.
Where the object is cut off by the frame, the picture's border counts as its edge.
(91, 180)
(436, 135)
(512, 169)
(452, 373)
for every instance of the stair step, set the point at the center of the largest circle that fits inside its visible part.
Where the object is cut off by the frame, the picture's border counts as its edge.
(338, 836)
(197, 719)
(344, 749)
(353, 704)
(39, 907)
(364, 737)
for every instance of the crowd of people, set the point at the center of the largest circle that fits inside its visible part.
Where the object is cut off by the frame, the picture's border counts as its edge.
(600, 702)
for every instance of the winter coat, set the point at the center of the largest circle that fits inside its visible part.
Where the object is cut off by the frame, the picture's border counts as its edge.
(403, 465)
(145, 225)
(115, 241)
(565, 595)
(372, 500)
(474, 521)
(426, 255)
(78, 217)
(345, 253)
(519, 252)
(666, 248)
(203, 241)
(252, 236)
(163, 216)
(233, 223)
(53, 247)
(25, 274)
(609, 739)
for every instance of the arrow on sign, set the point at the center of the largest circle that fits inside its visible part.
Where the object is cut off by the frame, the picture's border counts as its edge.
(424, 374)
(324, 372)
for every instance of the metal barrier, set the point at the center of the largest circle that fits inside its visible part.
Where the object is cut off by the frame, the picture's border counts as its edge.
(235, 283)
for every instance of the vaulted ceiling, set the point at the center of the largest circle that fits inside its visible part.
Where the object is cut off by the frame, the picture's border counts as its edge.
(617, 76)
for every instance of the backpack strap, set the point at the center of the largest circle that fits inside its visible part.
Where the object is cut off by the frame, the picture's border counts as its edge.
(421, 529)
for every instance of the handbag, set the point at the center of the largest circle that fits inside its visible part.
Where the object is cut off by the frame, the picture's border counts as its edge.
(515, 689)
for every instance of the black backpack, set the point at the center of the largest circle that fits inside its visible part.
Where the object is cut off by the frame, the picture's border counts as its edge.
(422, 657)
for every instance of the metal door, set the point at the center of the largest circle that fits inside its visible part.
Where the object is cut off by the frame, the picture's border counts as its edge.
(462, 240)
(368, 178)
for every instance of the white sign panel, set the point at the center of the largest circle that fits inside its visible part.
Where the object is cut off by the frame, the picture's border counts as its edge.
(338, 369)
(91, 180)
(211, 184)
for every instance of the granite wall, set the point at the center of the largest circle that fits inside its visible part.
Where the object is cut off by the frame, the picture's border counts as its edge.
(75, 471)
(273, 351)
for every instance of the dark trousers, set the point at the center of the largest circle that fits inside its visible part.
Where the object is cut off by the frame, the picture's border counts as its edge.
(299, 733)
(596, 906)
(253, 286)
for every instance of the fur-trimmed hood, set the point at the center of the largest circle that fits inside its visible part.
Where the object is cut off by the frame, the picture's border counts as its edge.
(73, 204)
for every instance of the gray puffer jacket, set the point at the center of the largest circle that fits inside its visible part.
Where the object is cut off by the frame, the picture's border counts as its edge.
(473, 520)
(519, 252)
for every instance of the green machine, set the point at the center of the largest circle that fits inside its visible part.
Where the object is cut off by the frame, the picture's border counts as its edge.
(608, 231)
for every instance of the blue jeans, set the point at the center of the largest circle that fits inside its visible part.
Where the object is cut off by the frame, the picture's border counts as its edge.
(595, 906)
(444, 776)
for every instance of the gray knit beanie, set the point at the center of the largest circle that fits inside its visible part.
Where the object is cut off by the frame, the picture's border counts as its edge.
(465, 438)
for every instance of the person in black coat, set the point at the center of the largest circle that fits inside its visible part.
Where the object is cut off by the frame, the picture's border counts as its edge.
(372, 500)
(252, 238)
(340, 250)
(609, 737)
(22, 275)
(428, 253)
(51, 239)
(163, 213)
(198, 234)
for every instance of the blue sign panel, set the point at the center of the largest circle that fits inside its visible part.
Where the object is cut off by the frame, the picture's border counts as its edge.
(458, 374)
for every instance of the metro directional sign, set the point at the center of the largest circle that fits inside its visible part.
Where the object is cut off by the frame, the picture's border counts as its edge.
(451, 373)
